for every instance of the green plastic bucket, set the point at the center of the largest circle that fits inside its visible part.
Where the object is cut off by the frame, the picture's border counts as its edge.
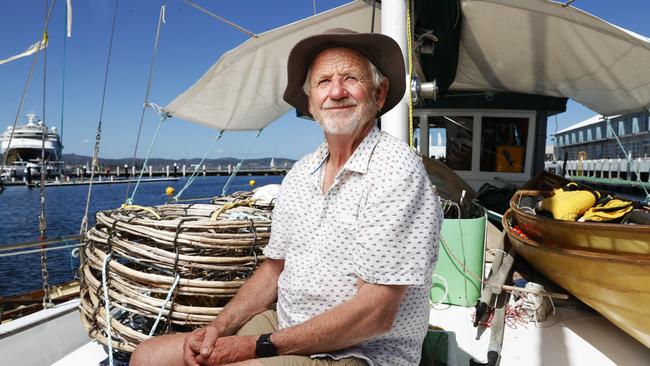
(452, 284)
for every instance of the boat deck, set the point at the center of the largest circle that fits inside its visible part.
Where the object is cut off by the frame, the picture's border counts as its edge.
(573, 336)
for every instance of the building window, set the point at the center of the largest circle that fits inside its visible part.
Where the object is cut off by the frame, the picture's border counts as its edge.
(635, 125)
(560, 140)
(573, 137)
(581, 136)
(610, 129)
(621, 128)
(589, 135)
(599, 134)
(503, 144)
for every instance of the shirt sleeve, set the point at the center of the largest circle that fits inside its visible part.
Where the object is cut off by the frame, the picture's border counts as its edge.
(399, 230)
(280, 226)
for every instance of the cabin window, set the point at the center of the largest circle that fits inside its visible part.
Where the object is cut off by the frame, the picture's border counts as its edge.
(503, 144)
(599, 134)
(589, 138)
(456, 133)
(635, 125)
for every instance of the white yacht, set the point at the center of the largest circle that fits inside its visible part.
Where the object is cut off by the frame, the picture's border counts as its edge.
(24, 149)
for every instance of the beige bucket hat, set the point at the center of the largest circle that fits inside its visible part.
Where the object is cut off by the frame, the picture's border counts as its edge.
(380, 49)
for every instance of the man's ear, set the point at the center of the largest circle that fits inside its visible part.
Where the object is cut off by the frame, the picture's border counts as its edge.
(381, 92)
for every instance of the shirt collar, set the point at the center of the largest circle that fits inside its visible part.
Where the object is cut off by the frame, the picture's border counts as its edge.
(359, 160)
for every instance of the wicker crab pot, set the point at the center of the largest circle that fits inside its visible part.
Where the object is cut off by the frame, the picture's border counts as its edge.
(154, 270)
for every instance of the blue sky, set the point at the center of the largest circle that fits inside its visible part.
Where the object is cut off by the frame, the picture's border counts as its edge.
(190, 43)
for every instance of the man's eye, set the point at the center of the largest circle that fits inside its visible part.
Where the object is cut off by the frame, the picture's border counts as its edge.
(351, 79)
(323, 82)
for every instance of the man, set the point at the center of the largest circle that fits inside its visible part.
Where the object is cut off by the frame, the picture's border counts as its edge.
(354, 235)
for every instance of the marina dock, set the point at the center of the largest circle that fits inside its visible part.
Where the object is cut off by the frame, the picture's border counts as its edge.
(149, 176)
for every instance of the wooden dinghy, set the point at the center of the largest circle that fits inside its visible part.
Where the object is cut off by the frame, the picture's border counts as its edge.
(605, 265)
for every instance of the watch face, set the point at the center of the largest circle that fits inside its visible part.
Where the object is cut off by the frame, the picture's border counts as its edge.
(264, 347)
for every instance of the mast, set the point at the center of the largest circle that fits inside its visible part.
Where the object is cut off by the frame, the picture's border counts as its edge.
(393, 24)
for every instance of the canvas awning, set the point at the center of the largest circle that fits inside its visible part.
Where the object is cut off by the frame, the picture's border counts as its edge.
(533, 47)
(243, 89)
(541, 47)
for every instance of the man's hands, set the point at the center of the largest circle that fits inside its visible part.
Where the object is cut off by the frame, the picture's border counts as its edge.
(207, 347)
(230, 349)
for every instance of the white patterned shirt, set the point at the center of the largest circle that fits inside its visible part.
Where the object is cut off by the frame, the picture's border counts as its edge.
(379, 221)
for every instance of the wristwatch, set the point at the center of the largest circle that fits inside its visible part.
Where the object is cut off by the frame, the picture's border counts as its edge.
(264, 347)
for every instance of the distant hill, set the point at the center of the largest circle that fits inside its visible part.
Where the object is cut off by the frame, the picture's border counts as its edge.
(80, 160)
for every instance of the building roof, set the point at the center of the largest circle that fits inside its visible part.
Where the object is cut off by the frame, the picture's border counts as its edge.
(589, 121)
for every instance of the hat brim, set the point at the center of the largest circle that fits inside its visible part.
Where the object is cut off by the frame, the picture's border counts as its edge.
(380, 49)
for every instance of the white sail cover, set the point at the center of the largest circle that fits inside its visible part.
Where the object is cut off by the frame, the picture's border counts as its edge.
(243, 90)
(524, 46)
(541, 47)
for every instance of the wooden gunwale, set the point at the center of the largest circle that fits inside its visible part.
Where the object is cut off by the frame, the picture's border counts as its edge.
(567, 249)
(600, 226)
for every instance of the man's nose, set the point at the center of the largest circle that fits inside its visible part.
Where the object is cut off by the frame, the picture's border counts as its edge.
(337, 89)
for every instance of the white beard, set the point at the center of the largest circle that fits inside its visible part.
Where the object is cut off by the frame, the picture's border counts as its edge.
(342, 123)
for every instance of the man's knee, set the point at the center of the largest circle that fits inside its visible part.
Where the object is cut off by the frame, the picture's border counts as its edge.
(164, 350)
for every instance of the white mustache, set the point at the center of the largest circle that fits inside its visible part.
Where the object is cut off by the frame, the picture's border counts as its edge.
(331, 105)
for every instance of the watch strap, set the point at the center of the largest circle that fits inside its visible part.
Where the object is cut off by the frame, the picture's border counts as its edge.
(264, 347)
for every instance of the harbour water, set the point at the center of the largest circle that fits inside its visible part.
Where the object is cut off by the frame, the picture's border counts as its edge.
(64, 210)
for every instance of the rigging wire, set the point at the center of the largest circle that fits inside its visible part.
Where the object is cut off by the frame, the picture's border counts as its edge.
(232, 24)
(190, 180)
(129, 201)
(234, 172)
(98, 133)
(161, 20)
(27, 84)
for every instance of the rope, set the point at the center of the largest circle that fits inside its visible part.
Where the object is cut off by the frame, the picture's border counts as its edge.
(628, 158)
(162, 308)
(42, 222)
(206, 11)
(410, 64)
(108, 310)
(98, 133)
(190, 180)
(161, 20)
(26, 88)
(228, 206)
(445, 284)
(234, 172)
(142, 208)
(129, 201)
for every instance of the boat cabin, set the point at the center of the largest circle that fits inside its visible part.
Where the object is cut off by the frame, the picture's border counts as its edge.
(485, 137)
